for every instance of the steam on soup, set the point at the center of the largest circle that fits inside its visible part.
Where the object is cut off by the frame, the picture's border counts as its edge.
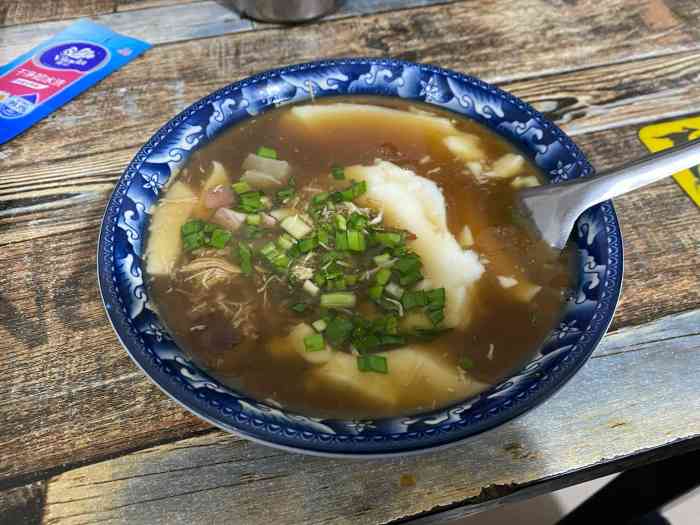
(353, 259)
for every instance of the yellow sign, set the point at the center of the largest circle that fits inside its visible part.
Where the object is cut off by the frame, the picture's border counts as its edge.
(664, 135)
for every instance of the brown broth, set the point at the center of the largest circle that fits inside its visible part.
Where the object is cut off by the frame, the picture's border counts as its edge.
(503, 333)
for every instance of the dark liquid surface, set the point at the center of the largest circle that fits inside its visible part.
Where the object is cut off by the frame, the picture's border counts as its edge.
(503, 333)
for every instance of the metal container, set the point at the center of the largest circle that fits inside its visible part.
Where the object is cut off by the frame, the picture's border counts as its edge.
(285, 11)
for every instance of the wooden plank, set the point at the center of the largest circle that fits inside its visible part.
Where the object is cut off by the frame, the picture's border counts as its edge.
(638, 392)
(32, 11)
(36, 11)
(71, 392)
(158, 25)
(120, 112)
(131, 5)
(604, 33)
(604, 97)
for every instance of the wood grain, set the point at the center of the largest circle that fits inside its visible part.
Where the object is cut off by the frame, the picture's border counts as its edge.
(156, 25)
(217, 477)
(50, 314)
(36, 11)
(23, 505)
(28, 11)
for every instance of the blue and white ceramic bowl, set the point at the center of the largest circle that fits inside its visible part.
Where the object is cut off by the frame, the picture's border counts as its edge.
(588, 312)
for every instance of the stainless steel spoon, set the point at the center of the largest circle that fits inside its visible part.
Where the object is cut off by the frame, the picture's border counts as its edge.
(554, 208)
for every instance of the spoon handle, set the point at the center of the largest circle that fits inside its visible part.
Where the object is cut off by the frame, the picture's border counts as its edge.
(554, 208)
(641, 172)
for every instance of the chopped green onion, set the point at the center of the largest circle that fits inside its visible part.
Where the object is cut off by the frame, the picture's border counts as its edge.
(253, 218)
(322, 237)
(299, 307)
(267, 153)
(220, 238)
(366, 342)
(341, 223)
(268, 250)
(359, 188)
(372, 363)
(319, 198)
(274, 256)
(436, 316)
(382, 276)
(466, 363)
(209, 228)
(192, 226)
(319, 325)
(356, 241)
(358, 221)
(375, 292)
(389, 239)
(241, 187)
(286, 241)
(436, 297)
(193, 241)
(338, 173)
(411, 278)
(338, 330)
(245, 257)
(338, 300)
(391, 324)
(394, 290)
(282, 261)
(306, 245)
(347, 195)
(392, 340)
(250, 231)
(408, 264)
(296, 226)
(336, 284)
(351, 193)
(341, 241)
(251, 202)
(314, 343)
(382, 260)
(310, 288)
(412, 300)
(285, 194)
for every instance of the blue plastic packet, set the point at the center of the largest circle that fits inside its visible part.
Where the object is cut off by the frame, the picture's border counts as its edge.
(42, 80)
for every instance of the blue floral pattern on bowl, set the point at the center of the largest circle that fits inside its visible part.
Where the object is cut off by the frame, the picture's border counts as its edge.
(587, 315)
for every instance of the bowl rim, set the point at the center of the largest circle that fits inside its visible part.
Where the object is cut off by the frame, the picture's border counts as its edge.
(106, 279)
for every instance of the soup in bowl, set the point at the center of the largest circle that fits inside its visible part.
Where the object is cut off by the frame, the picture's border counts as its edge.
(327, 258)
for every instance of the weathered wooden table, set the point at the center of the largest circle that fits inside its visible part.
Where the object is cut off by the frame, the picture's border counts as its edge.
(85, 437)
